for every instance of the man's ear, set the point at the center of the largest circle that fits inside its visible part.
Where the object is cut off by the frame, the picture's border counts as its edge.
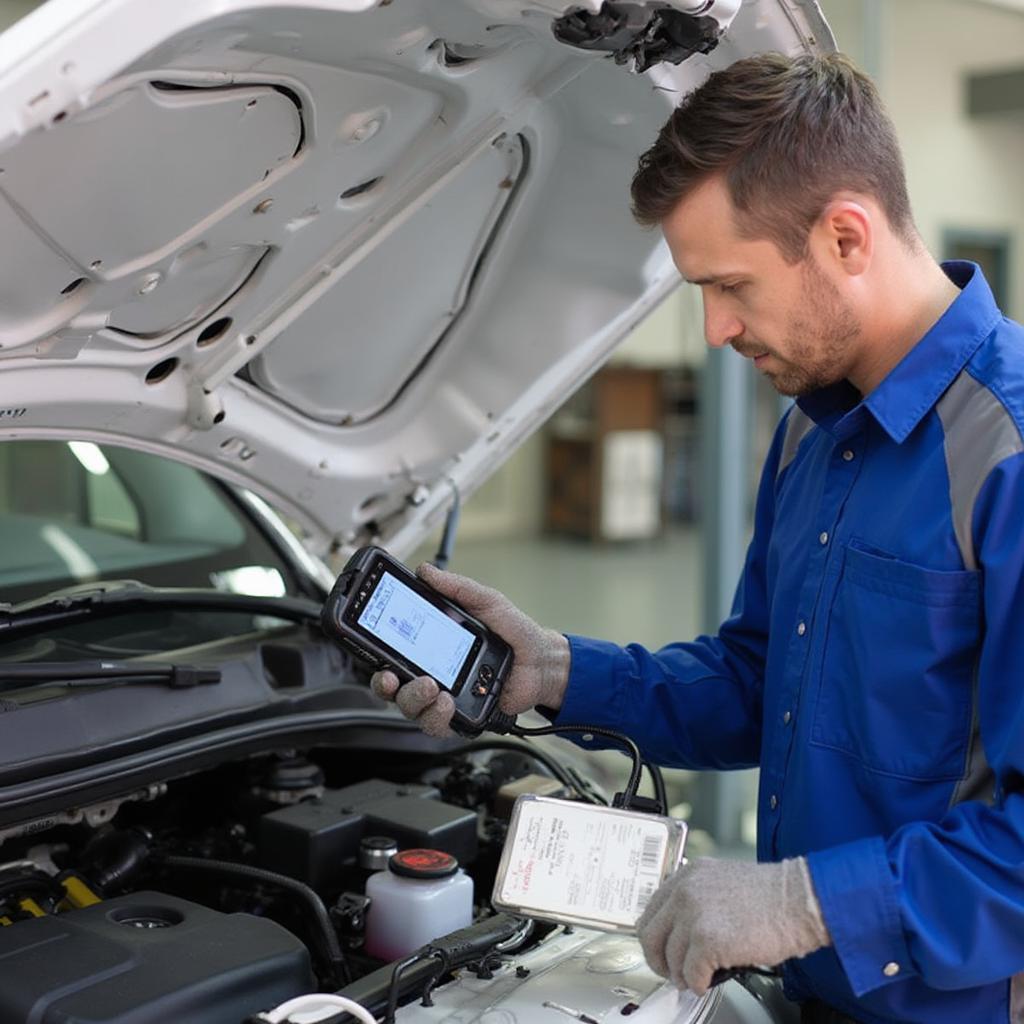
(844, 236)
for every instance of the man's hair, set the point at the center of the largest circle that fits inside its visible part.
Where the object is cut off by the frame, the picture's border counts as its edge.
(788, 134)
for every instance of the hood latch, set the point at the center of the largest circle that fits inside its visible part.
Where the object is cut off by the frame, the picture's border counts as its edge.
(636, 32)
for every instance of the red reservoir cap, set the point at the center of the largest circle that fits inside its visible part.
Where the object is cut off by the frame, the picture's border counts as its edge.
(423, 864)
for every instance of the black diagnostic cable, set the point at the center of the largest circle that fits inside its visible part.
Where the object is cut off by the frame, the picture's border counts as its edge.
(724, 974)
(658, 782)
(628, 796)
(502, 723)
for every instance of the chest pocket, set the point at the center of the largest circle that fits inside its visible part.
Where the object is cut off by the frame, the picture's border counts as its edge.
(898, 665)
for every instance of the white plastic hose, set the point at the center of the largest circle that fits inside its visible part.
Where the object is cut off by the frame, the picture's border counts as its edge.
(316, 1006)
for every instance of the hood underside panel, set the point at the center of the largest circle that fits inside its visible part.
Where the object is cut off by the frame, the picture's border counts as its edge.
(345, 254)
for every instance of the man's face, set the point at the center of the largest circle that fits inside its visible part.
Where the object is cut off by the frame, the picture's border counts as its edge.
(789, 318)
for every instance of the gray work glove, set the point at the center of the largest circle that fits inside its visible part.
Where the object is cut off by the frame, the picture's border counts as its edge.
(713, 914)
(539, 673)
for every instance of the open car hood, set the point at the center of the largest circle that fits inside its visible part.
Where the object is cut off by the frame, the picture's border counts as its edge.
(345, 254)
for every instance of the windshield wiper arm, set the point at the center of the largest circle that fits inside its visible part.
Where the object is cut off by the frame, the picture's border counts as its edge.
(104, 673)
(104, 599)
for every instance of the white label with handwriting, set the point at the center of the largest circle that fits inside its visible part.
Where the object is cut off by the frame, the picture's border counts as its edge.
(584, 862)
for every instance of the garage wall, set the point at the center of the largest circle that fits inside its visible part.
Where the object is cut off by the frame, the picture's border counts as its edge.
(962, 172)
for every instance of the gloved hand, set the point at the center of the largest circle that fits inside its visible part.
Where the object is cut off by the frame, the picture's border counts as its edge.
(724, 913)
(539, 673)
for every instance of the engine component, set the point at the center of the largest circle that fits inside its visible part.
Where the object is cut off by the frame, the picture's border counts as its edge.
(538, 785)
(334, 963)
(94, 815)
(291, 780)
(349, 916)
(376, 851)
(78, 893)
(581, 976)
(383, 987)
(317, 841)
(421, 896)
(26, 891)
(147, 958)
(113, 856)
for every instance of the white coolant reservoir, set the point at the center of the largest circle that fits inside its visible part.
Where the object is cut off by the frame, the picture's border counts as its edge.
(422, 896)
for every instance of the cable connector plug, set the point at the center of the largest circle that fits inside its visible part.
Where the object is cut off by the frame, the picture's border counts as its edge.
(501, 722)
(646, 804)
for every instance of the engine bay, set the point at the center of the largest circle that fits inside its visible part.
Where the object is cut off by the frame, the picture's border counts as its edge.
(278, 849)
(217, 895)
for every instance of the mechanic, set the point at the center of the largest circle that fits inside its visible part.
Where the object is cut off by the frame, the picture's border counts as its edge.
(872, 663)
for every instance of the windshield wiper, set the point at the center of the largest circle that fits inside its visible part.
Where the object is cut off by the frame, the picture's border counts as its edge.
(113, 598)
(76, 674)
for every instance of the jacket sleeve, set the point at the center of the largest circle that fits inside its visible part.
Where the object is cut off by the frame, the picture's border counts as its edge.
(688, 705)
(945, 900)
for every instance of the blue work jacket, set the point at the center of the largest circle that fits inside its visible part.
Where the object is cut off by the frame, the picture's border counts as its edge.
(873, 666)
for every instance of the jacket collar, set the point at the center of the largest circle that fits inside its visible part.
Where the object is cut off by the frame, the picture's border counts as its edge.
(918, 380)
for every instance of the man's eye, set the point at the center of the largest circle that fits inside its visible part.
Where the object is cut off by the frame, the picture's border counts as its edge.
(728, 289)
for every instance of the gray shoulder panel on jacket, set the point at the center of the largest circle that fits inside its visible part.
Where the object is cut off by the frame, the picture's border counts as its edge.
(980, 433)
(798, 427)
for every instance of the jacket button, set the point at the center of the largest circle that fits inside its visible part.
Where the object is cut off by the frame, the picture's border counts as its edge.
(773, 802)
(787, 718)
(891, 969)
(823, 537)
(801, 628)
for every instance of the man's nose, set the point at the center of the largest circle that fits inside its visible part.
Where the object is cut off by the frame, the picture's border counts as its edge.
(720, 325)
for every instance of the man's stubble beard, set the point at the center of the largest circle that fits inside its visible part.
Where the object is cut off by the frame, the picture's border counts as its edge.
(829, 321)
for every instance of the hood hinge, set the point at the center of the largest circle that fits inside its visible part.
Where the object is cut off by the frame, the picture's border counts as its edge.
(636, 32)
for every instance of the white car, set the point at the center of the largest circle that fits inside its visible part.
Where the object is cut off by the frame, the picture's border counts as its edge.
(324, 264)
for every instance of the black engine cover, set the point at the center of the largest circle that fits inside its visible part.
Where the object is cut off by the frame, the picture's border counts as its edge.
(317, 841)
(147, 959)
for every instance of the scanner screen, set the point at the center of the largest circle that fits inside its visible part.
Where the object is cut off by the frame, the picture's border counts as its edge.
(422, 633)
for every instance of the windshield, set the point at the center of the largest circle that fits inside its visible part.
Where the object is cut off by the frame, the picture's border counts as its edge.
(77, 512)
